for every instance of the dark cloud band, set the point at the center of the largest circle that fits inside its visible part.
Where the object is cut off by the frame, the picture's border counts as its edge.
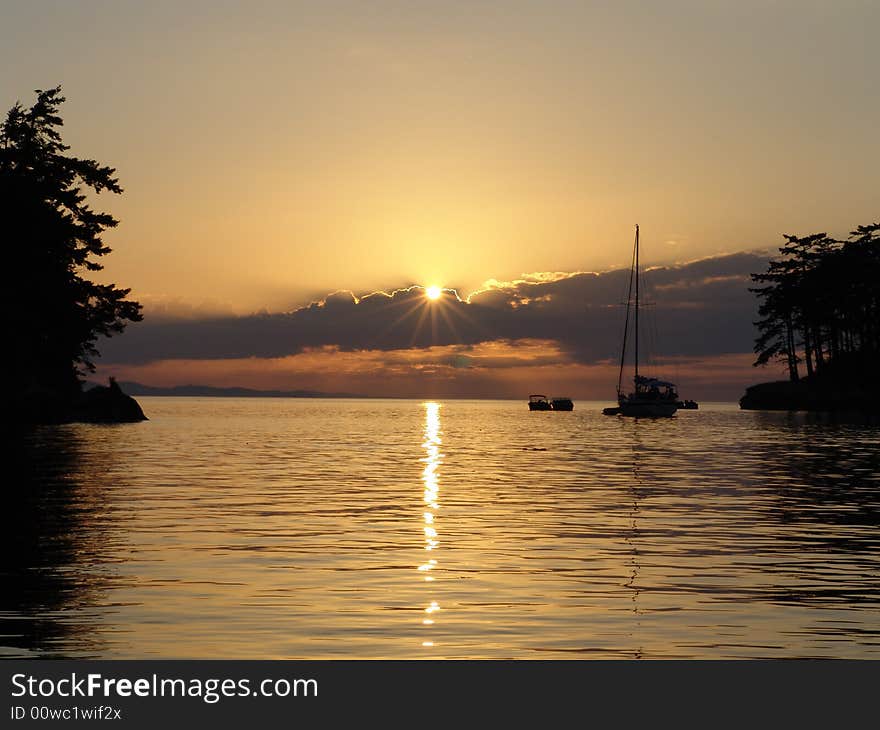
(701, 308)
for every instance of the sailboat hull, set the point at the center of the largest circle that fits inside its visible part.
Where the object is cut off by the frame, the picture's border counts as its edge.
(647, 410)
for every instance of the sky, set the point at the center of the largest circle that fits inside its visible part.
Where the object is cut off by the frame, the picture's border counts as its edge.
(275, 152)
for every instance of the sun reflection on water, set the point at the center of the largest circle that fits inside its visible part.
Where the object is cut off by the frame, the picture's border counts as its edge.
(297, 531)
(431, 479)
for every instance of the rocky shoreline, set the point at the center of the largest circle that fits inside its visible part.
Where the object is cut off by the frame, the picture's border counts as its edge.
(107, 405)
(99, 404)
(812, 394)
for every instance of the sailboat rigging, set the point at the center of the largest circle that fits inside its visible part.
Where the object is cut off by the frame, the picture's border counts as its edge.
(650, 398)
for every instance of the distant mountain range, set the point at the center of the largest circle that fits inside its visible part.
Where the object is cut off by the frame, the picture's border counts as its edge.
(208, 391)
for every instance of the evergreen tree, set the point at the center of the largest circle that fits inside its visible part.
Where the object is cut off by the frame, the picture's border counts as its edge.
(820, 304)
(51, 239)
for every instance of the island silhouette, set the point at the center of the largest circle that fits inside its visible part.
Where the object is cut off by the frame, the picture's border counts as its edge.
(820, 309)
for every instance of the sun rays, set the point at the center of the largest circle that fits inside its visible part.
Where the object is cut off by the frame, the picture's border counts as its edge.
(435, 307)
(415, 308)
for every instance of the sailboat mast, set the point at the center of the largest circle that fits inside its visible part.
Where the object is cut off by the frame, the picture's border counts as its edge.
(637, 304)
(629, 299)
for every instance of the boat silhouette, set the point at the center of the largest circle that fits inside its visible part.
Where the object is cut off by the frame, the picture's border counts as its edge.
(539, 402)
(650, 397)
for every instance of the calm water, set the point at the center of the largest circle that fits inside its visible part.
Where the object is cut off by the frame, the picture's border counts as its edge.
(315, 529)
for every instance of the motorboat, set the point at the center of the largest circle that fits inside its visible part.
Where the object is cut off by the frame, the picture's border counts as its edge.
(540, 403)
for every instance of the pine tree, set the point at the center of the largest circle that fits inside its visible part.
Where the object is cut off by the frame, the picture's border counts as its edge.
(51, 239)
(821, 298)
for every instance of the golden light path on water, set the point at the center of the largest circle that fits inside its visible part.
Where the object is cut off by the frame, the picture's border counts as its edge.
(245, 528)
(431, 480)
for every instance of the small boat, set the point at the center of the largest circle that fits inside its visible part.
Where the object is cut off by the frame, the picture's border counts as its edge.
(688, 405)
(650, 397)
(539, 403)
(543, 403)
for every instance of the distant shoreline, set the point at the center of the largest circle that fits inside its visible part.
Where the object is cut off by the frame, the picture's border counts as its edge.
(210, 391)
(254, 393)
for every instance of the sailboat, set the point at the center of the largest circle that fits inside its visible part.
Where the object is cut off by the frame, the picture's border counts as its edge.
(650, 397)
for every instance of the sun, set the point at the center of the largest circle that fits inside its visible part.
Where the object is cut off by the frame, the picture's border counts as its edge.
(433, 292)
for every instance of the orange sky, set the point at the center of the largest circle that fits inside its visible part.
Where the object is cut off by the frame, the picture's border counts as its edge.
(274, 151)
(434, 373)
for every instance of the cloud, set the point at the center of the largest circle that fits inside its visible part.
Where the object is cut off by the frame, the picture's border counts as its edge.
(701, 308)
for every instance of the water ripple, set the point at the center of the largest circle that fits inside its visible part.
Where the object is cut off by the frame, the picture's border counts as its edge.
(240, 528)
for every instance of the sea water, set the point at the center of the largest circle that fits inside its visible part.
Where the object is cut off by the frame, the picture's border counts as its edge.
(313, 528)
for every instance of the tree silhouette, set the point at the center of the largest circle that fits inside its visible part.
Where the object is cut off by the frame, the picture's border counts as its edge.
(820, 305)
(51, 238)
